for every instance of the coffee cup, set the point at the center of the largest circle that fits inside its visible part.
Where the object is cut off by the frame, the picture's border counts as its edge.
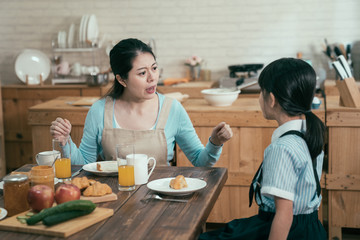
(141, 169)
(46, 158)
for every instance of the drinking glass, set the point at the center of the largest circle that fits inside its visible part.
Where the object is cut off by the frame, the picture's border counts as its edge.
(62, 159)
(126, 174)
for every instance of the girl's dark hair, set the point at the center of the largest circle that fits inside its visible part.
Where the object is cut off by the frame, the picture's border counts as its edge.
(293, 83)
(121, 61)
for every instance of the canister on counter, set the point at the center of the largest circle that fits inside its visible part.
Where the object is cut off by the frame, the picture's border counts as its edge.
(43, 175)
(16, 188)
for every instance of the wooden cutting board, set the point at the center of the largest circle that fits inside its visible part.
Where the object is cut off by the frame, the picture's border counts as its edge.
(105, 198)
(64, 229)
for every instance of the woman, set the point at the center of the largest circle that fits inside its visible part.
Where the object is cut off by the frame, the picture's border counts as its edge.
(286, 186)
(133, 111)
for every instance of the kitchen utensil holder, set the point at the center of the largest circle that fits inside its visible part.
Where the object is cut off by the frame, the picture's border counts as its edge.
(40, 78)
(349, 93)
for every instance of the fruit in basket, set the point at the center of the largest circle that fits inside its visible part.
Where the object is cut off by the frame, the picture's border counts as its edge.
(40, 197)
(66, 192)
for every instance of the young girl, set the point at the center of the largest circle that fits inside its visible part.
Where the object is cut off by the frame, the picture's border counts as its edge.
(286, 186)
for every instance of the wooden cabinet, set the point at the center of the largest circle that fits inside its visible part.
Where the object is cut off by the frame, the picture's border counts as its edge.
(242, 155)
(343, 178)
(16, 100)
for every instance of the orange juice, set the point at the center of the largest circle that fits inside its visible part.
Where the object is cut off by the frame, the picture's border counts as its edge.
(63, 168)
(126, 175)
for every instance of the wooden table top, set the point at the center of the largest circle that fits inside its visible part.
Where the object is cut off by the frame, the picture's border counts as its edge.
(153, 219)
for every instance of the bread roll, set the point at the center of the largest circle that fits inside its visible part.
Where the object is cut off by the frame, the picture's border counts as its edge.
(178, 183)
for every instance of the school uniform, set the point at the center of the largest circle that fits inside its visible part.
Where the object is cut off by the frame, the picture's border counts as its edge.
(287, 172)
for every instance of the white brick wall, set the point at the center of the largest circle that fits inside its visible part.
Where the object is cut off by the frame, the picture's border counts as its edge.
(223, 32)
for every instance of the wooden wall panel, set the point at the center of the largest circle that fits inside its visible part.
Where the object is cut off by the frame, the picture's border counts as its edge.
(241, 155)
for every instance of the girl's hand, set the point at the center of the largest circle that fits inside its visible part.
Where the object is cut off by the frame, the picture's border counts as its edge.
(221, 133)
(60, 128)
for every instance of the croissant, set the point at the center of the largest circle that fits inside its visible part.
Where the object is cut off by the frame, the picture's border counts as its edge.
(81, 182)
(97, 189)
(178, 183)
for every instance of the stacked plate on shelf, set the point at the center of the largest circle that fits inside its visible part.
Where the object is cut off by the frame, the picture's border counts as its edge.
(89, 30)
(80, 35)
(61, 39)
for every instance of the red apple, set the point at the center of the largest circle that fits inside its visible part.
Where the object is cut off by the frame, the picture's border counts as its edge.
(40, 197)
(66, 192)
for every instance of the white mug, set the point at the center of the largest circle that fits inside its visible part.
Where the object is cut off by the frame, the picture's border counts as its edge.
(46, 158)
(141, 162)
(76, 69)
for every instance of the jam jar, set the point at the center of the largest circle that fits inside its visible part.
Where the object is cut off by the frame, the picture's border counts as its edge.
(16, 189)
(42, 175)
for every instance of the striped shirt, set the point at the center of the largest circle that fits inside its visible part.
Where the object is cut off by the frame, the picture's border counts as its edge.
(288, 171)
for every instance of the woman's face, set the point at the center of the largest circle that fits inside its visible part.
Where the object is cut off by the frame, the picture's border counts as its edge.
(143, 77)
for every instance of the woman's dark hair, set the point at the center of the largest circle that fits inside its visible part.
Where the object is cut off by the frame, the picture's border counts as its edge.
(121, 61)
(293, 83)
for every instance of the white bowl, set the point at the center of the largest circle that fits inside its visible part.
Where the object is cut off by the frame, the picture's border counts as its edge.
(220, 97)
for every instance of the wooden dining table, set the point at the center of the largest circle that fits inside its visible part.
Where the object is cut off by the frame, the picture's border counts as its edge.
(136, 218)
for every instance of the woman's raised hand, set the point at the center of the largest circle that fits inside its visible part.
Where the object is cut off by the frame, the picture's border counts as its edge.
(60, 128)
(221, 133)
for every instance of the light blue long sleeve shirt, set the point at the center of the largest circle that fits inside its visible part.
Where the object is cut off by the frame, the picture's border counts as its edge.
(178, 129)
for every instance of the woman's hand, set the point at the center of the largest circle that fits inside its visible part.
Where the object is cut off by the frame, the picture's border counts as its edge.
(221, 133)
(60, 128)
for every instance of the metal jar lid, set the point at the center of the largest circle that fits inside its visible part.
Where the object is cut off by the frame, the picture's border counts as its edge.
(15, 178)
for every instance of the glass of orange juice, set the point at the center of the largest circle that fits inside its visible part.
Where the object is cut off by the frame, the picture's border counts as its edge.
(126, 174)
(62, 158)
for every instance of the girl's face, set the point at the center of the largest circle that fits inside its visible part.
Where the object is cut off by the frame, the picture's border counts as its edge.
(143, 77)
(266, 105)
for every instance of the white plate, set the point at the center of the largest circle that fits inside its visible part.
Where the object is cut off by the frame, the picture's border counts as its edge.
(81, 29)
(84, 31)
(71, 35)
(63, 39)
(92, 29)
(3, 213)
(110, 168)
(162, 186)
(32, 62)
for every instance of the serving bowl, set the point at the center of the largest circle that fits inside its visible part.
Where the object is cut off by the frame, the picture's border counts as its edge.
(220, 97)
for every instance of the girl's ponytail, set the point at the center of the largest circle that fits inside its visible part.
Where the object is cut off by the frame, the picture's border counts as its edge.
(315, 134)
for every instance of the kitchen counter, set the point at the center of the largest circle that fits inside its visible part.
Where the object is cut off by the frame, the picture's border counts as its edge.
(193, 89)
(241, 155)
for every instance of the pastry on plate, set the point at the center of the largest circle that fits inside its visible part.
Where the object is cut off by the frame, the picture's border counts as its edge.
(106, 166)
(178, 183)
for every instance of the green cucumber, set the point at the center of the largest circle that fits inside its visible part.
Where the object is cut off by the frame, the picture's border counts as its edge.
(62, 217)
(81, 205)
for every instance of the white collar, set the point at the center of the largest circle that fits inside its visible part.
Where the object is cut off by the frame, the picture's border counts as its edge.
(298, 124)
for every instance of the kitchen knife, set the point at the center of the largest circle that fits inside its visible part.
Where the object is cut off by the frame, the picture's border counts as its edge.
(339, 69)
(345, 65)
(337, 51)
(76, 173)
(348, 51)
(343, 51)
